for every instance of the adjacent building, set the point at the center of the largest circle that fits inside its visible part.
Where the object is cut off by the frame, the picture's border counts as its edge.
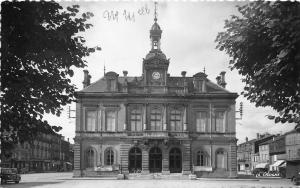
(277, 151)
(292, 142)
(244, 153)
(252, 153)
(155, 122)
(47, 152)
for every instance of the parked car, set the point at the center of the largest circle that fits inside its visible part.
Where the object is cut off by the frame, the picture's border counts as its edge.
(296, 179)
(293, 171)
(10, 175)
(257, 172)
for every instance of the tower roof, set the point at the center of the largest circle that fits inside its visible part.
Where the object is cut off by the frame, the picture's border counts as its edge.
(155, 36)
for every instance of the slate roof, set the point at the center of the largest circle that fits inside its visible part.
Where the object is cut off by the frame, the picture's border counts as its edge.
(101, 84)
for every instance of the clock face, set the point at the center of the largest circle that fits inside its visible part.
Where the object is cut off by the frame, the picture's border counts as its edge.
(155, 75)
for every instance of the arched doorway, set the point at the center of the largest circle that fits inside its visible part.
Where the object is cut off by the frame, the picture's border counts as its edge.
(135, 160)
(175, 160)
(155, 160)
(220, 159)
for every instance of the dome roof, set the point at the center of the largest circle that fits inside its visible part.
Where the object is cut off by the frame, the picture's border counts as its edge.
(155, 26)
(155, 53)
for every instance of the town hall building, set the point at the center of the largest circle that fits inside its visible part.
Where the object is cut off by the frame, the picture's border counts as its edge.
(155, 122)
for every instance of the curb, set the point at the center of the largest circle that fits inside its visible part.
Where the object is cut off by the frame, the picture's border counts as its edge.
(224, 179)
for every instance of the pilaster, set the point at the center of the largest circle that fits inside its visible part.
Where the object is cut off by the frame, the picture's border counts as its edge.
(186, 161)
(232, 160)
(165, 161)
(124, 148)
(145, 117)
(145, 160)
(77, 159)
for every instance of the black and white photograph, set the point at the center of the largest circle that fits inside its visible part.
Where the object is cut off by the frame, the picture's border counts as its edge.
(150, 94)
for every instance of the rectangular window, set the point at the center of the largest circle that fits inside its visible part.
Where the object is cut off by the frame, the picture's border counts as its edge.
(201, 121)
(136, 120)
(220, 121)
(110, 120)
(91, 120)
(176, 120)
(155, 120)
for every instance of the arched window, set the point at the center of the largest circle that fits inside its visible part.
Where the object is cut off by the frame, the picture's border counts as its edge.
(202, 159)
(136, 120)
(90, 157)
(155, 119)
(175, 120)
(109, 156)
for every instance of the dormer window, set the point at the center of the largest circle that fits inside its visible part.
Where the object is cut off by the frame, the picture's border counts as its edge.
(112, 81)
(199, 82)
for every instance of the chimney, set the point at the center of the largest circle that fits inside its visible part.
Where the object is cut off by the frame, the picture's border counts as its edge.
(218, 78)
(89, 80)
(183, 73)
(86, 78)
(246, 139)
(222, 82)
(125, 73)
(257, 135)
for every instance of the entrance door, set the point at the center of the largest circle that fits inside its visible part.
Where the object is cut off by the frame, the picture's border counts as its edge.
(220, 160)
(155, 160)
(135, 160)
(175, 162)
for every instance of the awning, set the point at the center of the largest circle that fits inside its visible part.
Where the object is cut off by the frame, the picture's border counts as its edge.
(68, 163)
(278, 163)
(283, 165)
(262, 165)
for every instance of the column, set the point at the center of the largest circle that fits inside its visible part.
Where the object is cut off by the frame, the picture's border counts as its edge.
(185, 118)
(145, 160)
(165, 161)
(165, 117)
(145, 117)
(186, 160)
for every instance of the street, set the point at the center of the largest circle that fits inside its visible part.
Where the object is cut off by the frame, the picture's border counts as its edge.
(53, 180)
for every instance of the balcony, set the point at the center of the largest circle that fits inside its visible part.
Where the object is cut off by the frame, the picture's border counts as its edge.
(100, 134)
(159, 134)
(139, 134)
(155, 134)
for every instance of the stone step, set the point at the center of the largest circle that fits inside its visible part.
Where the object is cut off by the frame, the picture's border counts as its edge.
(175, 176)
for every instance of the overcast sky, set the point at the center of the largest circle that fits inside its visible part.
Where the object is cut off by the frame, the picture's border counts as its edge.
(189, 32)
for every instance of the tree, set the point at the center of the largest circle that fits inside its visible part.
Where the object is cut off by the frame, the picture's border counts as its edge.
(264, 46)
(40, 47)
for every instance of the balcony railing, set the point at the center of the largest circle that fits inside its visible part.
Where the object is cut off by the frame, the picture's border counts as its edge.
(155, 134)
(150, 133)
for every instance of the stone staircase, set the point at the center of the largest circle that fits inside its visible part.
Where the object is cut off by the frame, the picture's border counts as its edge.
(218, 173)
(101, 174)
(172, 176)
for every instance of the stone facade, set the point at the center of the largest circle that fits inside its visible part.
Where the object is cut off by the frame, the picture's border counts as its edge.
(155, 122)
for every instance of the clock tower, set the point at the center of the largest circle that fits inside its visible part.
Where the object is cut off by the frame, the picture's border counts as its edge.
(155, 65)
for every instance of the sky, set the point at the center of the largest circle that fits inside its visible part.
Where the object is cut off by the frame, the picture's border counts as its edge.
(121, 29)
